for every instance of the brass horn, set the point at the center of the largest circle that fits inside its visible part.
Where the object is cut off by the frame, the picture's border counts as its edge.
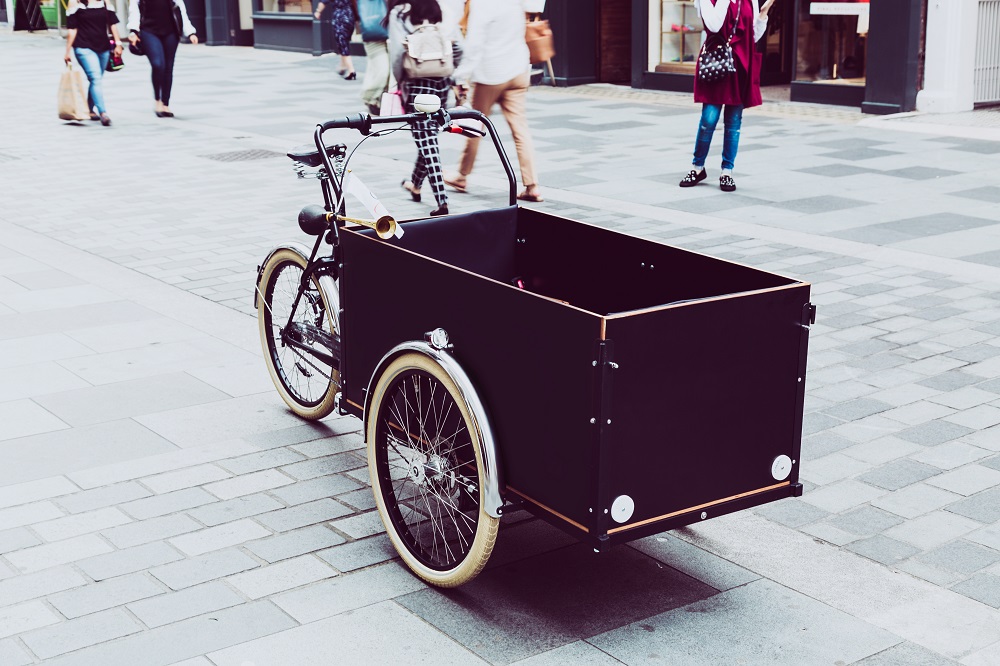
(384, 226)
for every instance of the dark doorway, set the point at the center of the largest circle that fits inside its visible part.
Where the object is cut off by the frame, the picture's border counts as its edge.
(778, 45)
(614, 30)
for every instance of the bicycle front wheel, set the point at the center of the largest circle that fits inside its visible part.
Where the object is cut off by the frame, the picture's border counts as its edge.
(426, 470)
(306, 384)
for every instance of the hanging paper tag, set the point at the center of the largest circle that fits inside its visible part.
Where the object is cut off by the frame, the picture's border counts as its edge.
(375, 208)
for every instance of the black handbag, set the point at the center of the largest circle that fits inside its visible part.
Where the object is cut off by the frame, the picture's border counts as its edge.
(716, 62)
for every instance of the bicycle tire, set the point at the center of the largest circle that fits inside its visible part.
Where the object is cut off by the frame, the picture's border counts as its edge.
(307, 385)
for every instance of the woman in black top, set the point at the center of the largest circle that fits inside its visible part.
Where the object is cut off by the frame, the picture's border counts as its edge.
(88, 22)
(158, 26)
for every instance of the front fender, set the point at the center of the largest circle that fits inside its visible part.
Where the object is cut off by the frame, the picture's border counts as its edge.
(327, 285)
(492, 483)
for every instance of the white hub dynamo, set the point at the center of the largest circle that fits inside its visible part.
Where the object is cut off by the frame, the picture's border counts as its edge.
(781, 467)
(622, 508)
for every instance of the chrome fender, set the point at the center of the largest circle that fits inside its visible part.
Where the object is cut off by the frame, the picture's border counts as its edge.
(492, 500)
(327, 285)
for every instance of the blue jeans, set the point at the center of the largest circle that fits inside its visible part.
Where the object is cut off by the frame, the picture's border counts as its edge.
(706, 127)
(160, 49)
(93, 64)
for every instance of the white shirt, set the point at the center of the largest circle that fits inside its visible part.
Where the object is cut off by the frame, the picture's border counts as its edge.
(713, 16)
(495, 50)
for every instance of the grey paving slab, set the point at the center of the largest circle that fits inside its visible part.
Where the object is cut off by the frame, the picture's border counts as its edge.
(680, 555)
(80, 633)
(984, 587)
(182, 640)
(906, 654)
(35, 585)
(354, 637)
(359, 554)
(13, 654)
(66, 451)
(175, 606)
(128, 560)
(105, 595)
(282, 576)
(204, 568)
(534, 614)
(756, 617)
(111, 402)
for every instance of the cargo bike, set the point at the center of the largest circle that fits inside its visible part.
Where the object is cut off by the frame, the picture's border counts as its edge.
(509, 358)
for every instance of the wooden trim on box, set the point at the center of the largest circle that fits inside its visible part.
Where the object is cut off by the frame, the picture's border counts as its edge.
(700, 506)
(550, 510)
(721, 297)
(351, 402)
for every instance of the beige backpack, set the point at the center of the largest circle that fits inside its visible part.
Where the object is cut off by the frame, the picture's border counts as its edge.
(427, 53)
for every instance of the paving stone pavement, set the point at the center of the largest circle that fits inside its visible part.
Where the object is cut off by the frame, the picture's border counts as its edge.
(158, 505)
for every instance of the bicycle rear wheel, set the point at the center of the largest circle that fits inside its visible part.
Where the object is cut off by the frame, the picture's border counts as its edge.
(306, 384)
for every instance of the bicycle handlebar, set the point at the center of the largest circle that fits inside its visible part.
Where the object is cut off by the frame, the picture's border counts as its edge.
(363, 123)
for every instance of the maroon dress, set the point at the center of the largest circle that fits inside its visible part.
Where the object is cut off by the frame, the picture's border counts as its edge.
(743, 89)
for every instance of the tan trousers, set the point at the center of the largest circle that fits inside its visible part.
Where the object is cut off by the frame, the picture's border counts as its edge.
(510, 96)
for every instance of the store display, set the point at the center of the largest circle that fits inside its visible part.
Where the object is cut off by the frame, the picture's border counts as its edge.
(832, 42)
(680, 36)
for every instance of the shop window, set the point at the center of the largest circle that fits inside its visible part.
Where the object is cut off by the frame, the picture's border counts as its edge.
(675, 36)
(285, 6)
(832, 42)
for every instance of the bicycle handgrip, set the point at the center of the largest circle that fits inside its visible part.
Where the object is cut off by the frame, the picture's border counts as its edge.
(359, 121)
(465, 114)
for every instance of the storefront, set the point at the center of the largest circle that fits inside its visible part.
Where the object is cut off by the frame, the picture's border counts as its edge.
(283, 25)
(822, 50)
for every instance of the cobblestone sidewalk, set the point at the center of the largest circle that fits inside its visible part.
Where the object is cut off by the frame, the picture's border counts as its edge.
(158, 505)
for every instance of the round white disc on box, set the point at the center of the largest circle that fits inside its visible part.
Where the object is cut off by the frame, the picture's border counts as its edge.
(781, 467)
(622, 508)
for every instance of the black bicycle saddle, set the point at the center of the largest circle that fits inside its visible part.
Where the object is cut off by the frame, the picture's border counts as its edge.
(309, 155)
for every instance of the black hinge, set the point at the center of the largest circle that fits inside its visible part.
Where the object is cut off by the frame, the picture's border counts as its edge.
(808, 314)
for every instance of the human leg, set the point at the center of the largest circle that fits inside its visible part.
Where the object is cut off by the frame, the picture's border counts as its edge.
(512, 103)
(152, 46)
(482, 98)
(376, 73)
(702, 142)
(732, 121)
(342, 18)
(425, 135)
(706, 128)
(92, 66)
(170, 43)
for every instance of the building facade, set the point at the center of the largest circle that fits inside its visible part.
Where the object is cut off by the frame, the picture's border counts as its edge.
(884, 56)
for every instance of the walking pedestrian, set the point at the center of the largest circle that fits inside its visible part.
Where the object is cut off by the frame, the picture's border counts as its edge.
(495, 69)
(88, 22)
(371, 17)
(405, 18)
(342, 17)
(155, 27)
(741, 22)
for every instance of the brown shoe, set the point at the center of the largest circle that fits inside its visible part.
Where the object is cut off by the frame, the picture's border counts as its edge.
(105, 119)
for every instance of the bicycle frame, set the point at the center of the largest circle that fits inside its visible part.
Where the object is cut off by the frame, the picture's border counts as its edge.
(320, 267)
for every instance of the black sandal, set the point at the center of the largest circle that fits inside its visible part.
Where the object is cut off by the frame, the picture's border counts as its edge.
(693, 178)
(726, 183)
